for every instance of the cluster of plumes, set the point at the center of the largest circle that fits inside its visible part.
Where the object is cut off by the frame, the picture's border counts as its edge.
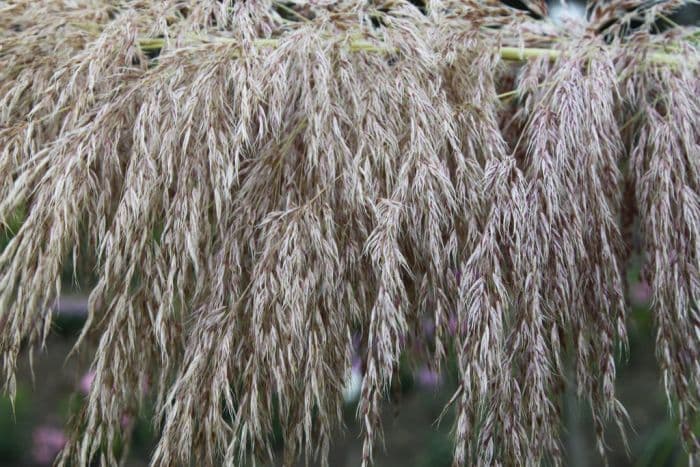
(279, 176)
(664, 171)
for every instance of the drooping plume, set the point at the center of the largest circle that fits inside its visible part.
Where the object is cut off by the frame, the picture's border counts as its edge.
(266, 187)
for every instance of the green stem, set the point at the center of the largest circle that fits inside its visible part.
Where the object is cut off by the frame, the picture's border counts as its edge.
(507, 53)
(524, 53)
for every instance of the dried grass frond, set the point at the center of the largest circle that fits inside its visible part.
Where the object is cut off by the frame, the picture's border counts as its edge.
(572, 266)
(260, 181)
(665, 170)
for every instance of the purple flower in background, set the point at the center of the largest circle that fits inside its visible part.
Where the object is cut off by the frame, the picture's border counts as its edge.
(47, 441)
(86, 382)
(126, 421)
(88, 378)
(428, 378)
(452, 325)
(429, 327)
(640, 293)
